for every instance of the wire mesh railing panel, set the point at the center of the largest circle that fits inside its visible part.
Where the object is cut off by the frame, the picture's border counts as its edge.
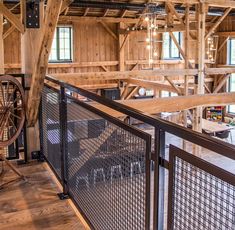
(201, 195)
(106, 170)
(50, 122)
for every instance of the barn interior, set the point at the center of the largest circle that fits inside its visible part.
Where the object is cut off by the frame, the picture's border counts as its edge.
(117, 114)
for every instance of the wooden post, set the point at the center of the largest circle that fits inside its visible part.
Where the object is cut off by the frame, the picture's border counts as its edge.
(121, 49)
(41, 60)
(1, 45)
(186, 50)
(29, 44)
(197, 124)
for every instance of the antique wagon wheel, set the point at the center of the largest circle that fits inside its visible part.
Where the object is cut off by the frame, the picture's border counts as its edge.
(12, 110)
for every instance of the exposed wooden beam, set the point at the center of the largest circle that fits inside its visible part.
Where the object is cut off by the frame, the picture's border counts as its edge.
(172, 104)
(121, 52)
(125, 92)
(124, 42)
(53, 10)
(8, 32)
(123, 13)
(86, 12)
(180, 49)
(155, 85)
(15, 6)
(82, 19)
(133, 91)
(212, 71)
(221, 83)
(225, 33)
(172, 9)
(178, 91)
(106, 12)
(11, 18)
(141, 73)
(65, 5)
(223, 43)
(104, 68)
(214, 27)
(109, 30)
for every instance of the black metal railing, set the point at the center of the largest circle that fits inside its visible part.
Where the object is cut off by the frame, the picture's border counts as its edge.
(102, 163)
(99, 156)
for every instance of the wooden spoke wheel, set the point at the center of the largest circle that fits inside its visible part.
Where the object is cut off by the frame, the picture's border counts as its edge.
(12, 109)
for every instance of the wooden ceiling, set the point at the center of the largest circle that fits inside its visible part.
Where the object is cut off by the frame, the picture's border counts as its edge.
(122, 8)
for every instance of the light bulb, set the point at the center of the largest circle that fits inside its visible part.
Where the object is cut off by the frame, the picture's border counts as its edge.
(148, 47)
(146, 19)
(152, 26)
(147, 39)
(155, 53)
(133, 28)
(154, 33)
(207, 52)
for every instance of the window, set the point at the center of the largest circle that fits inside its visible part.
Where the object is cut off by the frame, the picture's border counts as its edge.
(61, 50)
(231, 51)
(170, 50)
(168, 94)
(231, 88)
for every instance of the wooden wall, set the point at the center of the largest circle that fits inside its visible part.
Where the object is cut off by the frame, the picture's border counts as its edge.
(227, 25)
(95, 47)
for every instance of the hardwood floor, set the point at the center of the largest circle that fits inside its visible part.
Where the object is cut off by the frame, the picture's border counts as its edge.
(34, 204)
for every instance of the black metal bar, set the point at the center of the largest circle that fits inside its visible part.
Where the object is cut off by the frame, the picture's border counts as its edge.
(176, 153)
(63, 140)
(159, 180)
(16, 146)
(201, 139)
(148, 182)
(113, 120)
(41, 131)
(25, 126)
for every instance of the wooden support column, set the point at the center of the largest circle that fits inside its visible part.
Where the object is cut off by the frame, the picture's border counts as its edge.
(29, 48)
(1, 45)
(41, 60)
(121, 50)
(197, 123)
(187, 65)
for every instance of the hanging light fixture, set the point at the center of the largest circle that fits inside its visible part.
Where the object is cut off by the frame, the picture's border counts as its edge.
(150, 18)
(210, 52)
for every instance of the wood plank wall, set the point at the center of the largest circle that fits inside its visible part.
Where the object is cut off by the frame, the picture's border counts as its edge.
(227, 25)
(93, 45)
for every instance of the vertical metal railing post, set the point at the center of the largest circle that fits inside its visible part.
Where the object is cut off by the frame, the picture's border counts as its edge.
(148, 183)
(41, 132)
(63, 141)
(159, 180)
(25, 129)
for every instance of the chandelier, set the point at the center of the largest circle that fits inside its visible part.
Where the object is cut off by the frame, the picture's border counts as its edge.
(152, 26)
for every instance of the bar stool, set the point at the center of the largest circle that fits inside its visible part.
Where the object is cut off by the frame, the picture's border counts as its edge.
(84, 178)
(133, 164)
(116, 168)
(99, 171)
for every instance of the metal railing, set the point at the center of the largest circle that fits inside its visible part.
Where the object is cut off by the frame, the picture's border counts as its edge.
(108, 150)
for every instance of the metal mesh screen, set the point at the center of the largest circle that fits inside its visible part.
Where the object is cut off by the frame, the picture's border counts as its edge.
(106, 171)
(198, 199)
(51, 128)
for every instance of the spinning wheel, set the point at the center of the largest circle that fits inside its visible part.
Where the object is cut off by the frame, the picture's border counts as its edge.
(12, 115)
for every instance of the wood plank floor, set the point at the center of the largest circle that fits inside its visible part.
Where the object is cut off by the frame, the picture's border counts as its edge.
(34, 204)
